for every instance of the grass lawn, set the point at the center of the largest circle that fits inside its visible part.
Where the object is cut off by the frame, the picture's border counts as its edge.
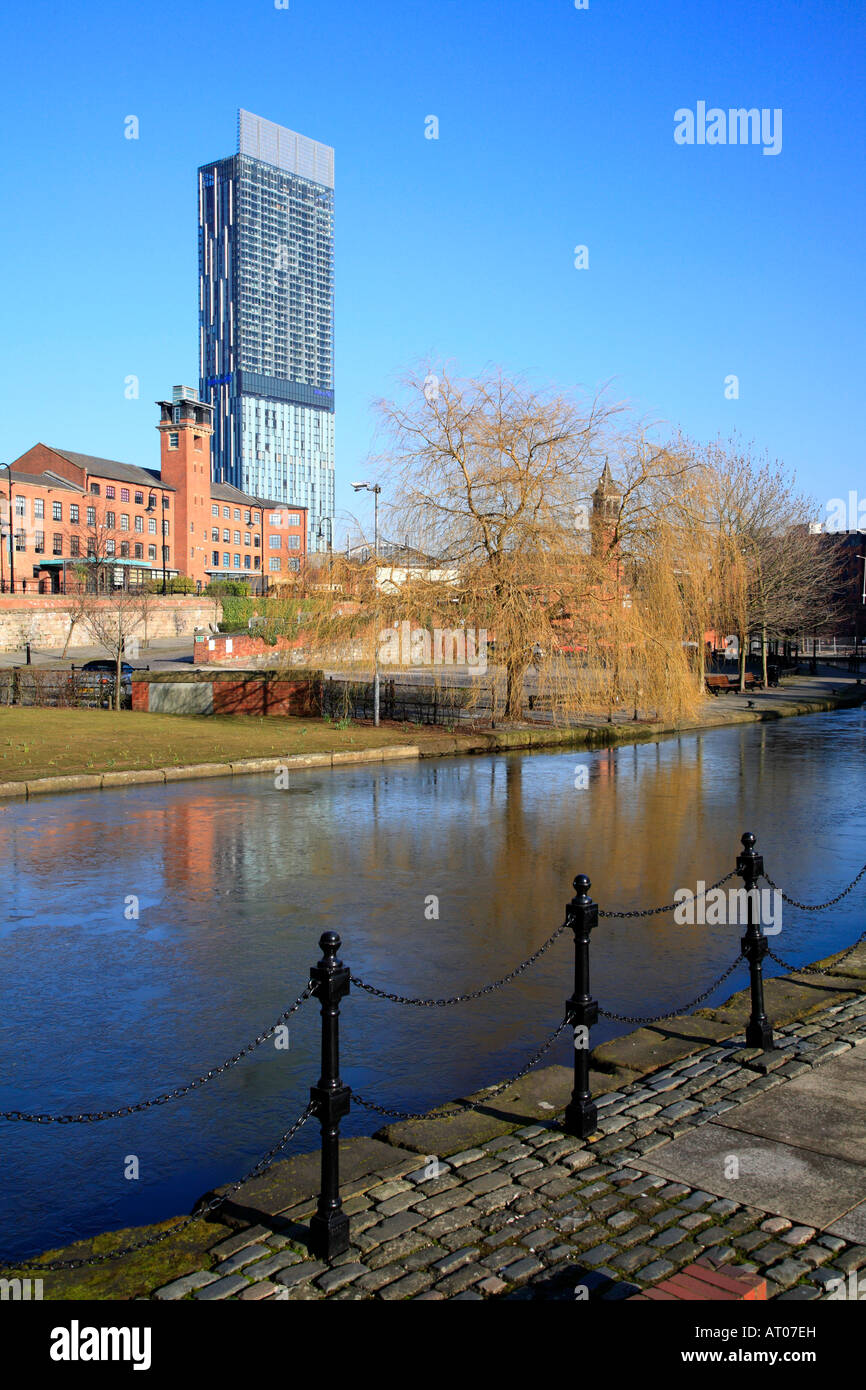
(55, 742)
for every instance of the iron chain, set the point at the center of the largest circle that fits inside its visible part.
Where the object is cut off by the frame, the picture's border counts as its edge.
(669, 907)
(463, 1106)
(37, 1267)
(817, 969)
(94, 1116)
(817, 907)
(463, 998)
(655, 1018)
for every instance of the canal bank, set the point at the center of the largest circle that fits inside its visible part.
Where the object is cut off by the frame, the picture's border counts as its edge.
(500, 1202)
(799, 696)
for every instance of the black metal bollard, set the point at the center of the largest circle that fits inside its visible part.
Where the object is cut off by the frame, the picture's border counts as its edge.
(750, 867)
(581, 1115)
(329, 1228)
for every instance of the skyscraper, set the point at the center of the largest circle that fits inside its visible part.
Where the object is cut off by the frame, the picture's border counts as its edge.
(266, 317)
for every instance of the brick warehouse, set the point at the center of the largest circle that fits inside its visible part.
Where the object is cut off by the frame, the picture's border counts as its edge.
(140, 524)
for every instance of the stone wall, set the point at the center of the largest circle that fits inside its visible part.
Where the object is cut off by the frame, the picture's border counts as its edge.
(44, 620)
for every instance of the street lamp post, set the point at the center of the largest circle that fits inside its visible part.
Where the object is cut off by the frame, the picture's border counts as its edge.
(8, 467)
(375, 488)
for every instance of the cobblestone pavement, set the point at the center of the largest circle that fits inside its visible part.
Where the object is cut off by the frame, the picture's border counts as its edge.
(537, 1214)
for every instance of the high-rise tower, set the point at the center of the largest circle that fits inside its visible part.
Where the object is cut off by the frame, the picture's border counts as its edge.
(266, 317)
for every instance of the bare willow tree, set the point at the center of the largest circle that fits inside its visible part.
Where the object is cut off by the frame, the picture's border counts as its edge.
(558, 555)
(778, 579)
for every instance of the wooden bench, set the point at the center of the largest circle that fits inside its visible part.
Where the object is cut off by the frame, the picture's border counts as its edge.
(718, 684)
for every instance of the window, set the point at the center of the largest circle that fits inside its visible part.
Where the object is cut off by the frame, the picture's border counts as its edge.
(295, 565)
(257, 564)
(226, 511)
(73, 511)
(19, 540)
(95, 489)
(294, 519)
(91, 516)
(214, 511)
(151, 552)
(124, 521)
(215, 558)
(172, 441)
(139, 523)
(57, 540)
(74, 546)
(256, 518)
(110, 520)
(257, 540)
(237, 513)
(151, 502)
(274, 562)
(247, 538)
(293, 542)
(124, 494)
(39, 543)
(237, 561)
(226, 561)
(215, 535)
(246, 562)
(56, 511)
(151, 525)
(165, 528)
(124, 549)
(91, 548)
(38, 507)
(237, 537)
(110, 547)
(19, 506)
(192, 528)
(247, 517)
(196, 439)
(139, 551)
(109, 491)
(139, 499)
(273, 542)
(275, 519)
(227, 535)
(165, 502)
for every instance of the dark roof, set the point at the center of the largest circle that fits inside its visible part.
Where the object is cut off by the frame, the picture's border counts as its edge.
(110, 468)
(46, 479)
(225, 492)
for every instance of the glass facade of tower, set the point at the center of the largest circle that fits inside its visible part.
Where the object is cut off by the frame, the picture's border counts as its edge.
(266, 318)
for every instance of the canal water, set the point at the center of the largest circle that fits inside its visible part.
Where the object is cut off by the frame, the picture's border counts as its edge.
(439, 875)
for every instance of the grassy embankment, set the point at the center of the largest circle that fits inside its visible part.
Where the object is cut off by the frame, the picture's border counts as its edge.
(56, 743)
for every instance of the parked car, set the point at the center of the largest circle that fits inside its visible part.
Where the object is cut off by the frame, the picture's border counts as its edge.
(96, 680)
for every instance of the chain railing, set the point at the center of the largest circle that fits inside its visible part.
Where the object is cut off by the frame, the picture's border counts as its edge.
(463, 998)
(39, 1267)
(93, 1117)
(330, 1100)
(681, 1009)
(816, 907)
(462, 1106)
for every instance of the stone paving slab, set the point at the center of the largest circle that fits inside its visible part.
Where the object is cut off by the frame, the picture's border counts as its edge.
(643, 1050)
(822, 1110)
(294, 1181)
(786, 1002)
(851, 1226)
(799, 1184)
(538, 1096)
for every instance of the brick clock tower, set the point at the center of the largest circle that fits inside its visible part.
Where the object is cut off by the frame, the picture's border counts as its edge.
(185, 429)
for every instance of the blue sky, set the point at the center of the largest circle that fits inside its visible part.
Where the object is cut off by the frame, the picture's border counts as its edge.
(556, 129)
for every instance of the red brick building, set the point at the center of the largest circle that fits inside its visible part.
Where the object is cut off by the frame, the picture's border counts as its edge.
(140, 524)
